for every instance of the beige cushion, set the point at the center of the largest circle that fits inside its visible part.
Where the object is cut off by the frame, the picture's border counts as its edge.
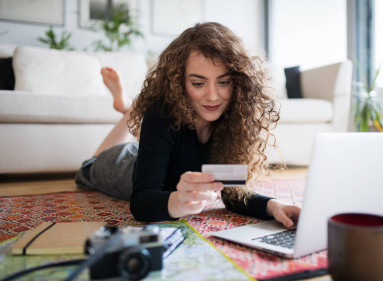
(56, 72)
(27, 107)
(305, 111)
(6, 50)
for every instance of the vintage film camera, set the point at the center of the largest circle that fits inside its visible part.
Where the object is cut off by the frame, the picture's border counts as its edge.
(133, 254)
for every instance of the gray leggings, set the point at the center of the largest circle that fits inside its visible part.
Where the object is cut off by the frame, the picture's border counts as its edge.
(110, 172)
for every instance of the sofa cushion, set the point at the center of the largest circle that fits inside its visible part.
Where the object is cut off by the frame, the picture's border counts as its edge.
(293, 82)
(305, 111)
(6, 50)
(7, 77)
(27, 107)
(56, 72)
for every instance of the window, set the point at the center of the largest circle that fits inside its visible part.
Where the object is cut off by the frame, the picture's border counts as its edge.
(378, 46)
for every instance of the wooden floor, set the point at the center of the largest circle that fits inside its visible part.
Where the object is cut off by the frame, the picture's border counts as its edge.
(14, 185)
(40, 184)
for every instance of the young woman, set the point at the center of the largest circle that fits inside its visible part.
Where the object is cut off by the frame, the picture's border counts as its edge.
(205, 101)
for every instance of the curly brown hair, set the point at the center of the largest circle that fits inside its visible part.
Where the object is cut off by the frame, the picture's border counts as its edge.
(241, 134)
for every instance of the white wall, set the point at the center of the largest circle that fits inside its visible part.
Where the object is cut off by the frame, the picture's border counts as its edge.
(308, 33)
(244, 17)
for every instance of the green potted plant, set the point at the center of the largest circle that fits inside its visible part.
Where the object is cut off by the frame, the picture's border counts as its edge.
(119, 28)
(53, 40)
(367, 110)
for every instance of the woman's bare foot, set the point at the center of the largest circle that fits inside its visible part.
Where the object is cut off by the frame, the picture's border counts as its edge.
(113, 82)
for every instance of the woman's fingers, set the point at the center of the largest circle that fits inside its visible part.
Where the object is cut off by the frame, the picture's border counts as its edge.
(194, 207)
(197, 177)
(198, 196)
(199, 187)
(195, 181)
(284, 213)
(178, 207)
(285, 220)
(193, 191)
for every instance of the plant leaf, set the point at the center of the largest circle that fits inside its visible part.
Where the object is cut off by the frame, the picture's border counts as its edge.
(119, 28)
(372, 86)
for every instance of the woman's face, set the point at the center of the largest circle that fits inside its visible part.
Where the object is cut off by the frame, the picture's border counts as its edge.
(209, 86)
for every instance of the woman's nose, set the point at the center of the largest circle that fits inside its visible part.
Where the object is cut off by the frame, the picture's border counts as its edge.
(211, 93)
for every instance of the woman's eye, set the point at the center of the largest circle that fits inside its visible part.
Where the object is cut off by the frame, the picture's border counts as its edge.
(198, 84)
(224, 83)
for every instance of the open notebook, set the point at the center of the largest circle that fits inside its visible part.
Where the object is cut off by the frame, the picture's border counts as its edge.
(345, 175)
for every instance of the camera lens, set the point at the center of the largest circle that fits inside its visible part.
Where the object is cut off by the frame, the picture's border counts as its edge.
(134, 263)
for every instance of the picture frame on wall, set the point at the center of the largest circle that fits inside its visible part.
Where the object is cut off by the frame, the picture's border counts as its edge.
(47, 12)
(91, 10)
(171, 17)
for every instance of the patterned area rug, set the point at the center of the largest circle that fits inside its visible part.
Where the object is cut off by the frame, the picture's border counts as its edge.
(22, 213)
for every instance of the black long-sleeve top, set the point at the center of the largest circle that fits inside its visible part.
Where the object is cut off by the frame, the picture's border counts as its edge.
(164, 155)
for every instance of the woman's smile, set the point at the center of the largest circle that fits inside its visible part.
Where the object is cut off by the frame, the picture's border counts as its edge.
(211, 107)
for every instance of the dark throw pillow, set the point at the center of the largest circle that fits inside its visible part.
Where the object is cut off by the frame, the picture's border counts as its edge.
(7, 76)
(293, 82)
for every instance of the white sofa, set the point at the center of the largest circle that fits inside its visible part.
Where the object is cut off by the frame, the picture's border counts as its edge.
(325, 107)
(60, 111)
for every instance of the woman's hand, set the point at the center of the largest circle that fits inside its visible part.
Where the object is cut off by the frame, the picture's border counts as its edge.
(193, 190)
(286, 214)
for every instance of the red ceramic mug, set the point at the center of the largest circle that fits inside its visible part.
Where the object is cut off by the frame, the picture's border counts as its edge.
(355, 247)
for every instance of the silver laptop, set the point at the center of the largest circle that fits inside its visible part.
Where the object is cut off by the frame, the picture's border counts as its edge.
(345, 175)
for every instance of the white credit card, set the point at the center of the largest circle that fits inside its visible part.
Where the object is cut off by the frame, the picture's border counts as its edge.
(229, 175)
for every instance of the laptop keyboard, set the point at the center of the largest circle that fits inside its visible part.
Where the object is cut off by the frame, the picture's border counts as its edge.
(284, 239)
